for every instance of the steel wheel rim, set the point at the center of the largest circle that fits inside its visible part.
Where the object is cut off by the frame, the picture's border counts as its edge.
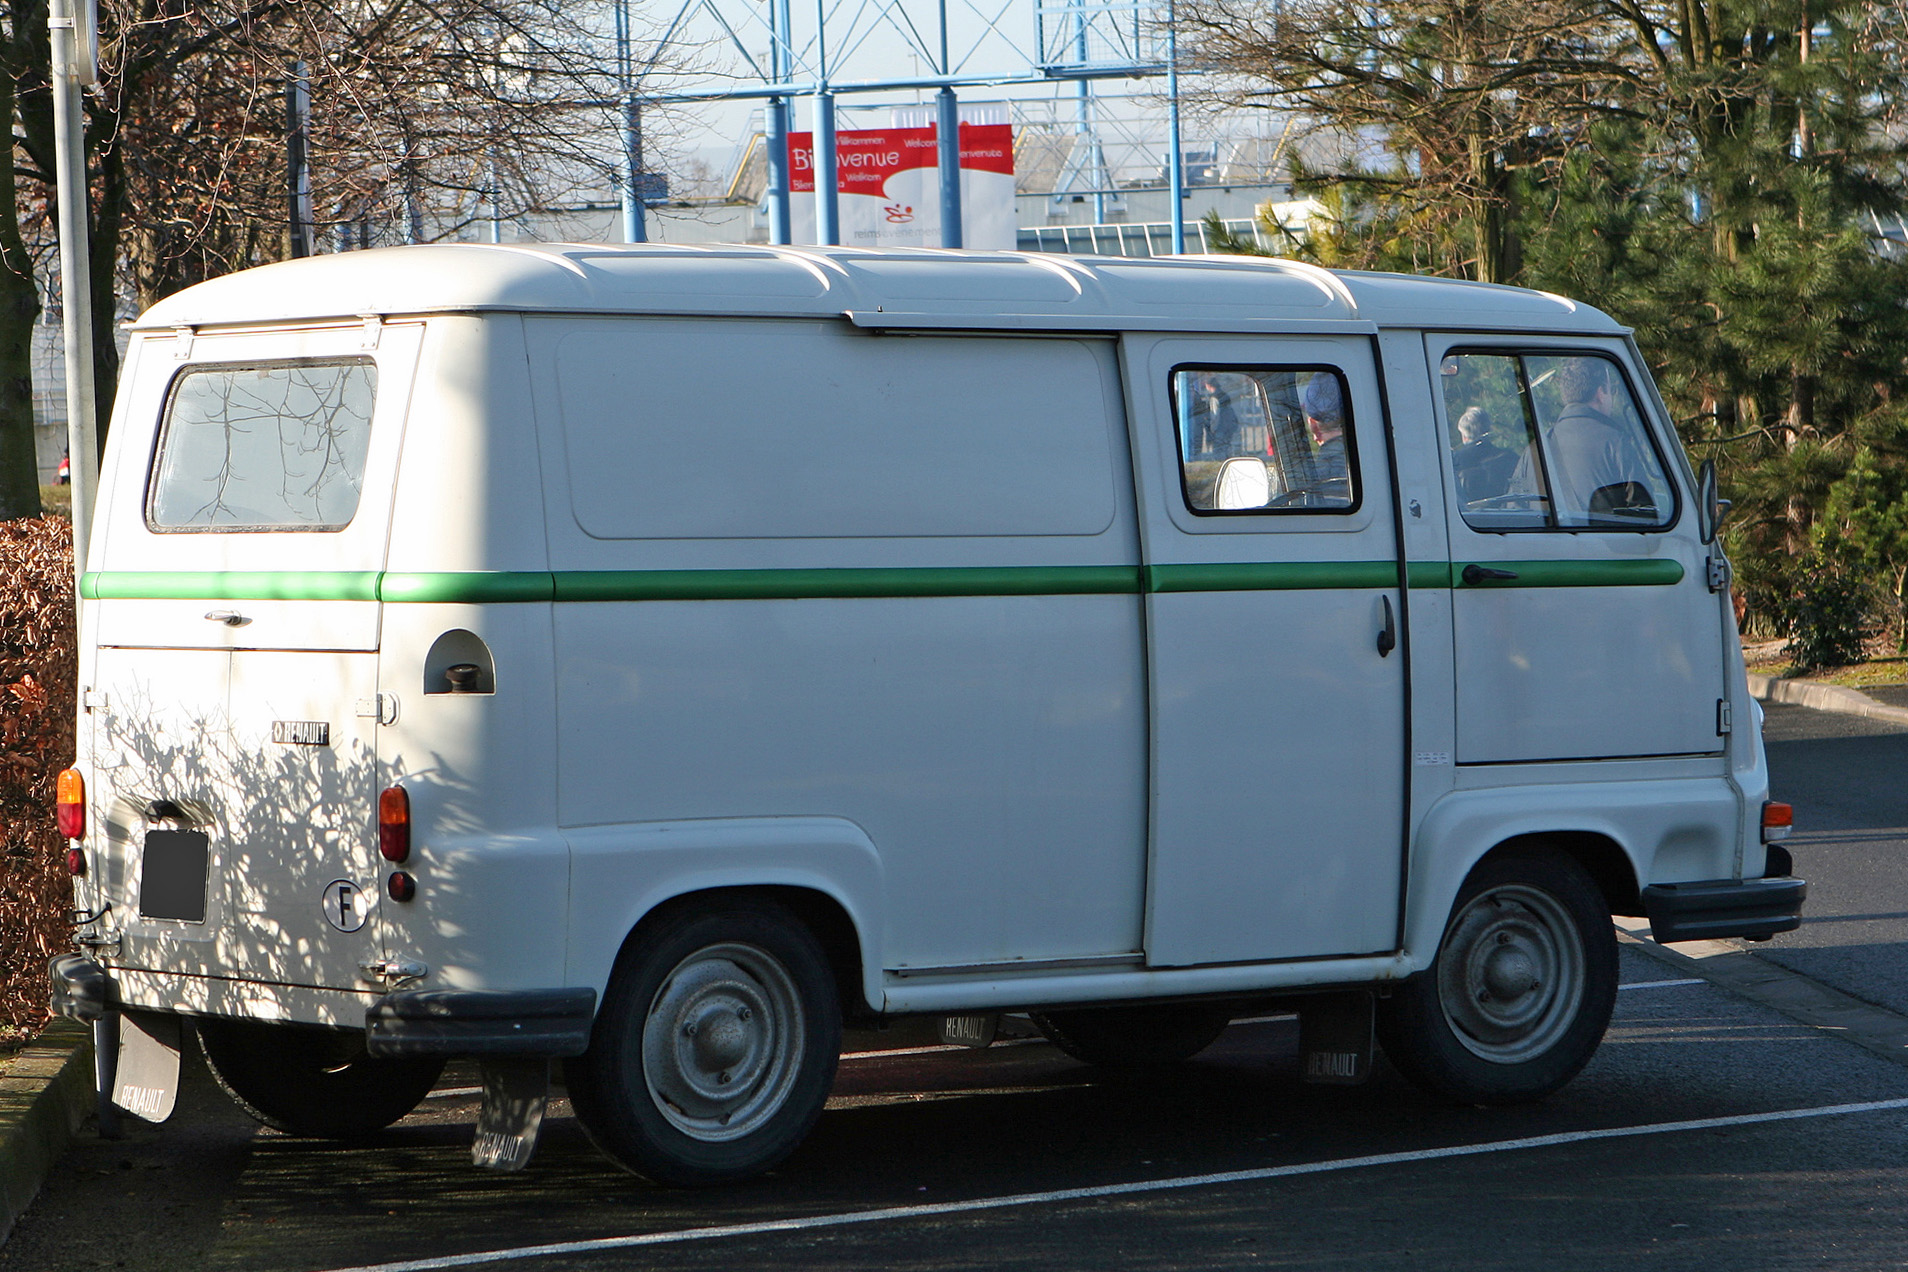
(1511, 974)
(723, 1041)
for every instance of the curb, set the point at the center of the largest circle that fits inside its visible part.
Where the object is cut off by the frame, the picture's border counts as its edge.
(1803, 693)
(1802, 998)
(45, 1095)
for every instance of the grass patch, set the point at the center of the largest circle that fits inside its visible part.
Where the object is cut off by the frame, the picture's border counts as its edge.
(1768, 659)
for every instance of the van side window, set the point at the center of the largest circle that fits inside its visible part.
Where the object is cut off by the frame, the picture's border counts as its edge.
(1545, 441)
(263, 446)
(1264, 439)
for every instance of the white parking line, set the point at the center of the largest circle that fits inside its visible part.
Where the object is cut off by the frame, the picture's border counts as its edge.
(1687, 980)
(888, 1214)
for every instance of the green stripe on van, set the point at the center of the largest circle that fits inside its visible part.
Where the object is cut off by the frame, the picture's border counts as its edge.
(238, 585)
(700, 585)
(474, 587)
(534, 586)
(1282, 576)
(1571, 574)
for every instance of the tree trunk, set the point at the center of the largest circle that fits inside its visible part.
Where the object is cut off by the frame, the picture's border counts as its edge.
(19, 310)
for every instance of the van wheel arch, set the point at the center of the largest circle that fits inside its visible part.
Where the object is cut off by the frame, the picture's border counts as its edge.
(1601, 857)
(824, 916)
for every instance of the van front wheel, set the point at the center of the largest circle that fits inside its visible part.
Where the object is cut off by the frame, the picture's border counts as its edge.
(715, 1048)
(1521, 991)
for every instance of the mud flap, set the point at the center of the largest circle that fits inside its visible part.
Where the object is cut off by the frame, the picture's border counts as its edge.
(1335, 1038)
(969, 1031)
(145, 1079)
(515, 1095)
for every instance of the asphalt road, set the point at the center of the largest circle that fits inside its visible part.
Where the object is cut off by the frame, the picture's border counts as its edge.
(1848, 779)
(941, 1159)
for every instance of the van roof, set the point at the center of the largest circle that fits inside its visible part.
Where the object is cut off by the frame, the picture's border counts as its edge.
(887, 288)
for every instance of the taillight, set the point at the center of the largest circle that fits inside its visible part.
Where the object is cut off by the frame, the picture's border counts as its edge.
(394, 823)
(1777, 820)
(70, 794)
(75, 862)
(401, 886)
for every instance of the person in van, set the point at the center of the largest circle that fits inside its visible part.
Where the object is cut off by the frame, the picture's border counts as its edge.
(1483, 468)
(1322, 403)
(1595, 469)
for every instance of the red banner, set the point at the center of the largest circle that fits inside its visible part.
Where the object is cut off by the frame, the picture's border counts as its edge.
(866, 157)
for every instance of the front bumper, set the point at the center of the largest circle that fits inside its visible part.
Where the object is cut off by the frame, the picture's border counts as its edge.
(1752, 908)
(529, 1023)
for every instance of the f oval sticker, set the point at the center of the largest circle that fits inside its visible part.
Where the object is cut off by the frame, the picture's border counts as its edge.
(346, 905)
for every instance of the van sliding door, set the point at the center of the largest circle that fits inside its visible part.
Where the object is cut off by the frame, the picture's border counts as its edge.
(1274, 625)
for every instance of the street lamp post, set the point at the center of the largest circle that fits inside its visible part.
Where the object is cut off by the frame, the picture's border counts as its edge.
(72, 24)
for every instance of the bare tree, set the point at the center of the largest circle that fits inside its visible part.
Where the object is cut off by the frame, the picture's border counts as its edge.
(424, 116)
(1461, 97)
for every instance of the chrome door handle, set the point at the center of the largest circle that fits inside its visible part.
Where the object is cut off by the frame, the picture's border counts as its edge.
(231, 618)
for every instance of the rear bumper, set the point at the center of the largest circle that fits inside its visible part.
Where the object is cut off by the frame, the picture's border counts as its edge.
(1752, 908)
(448, 1022)
(81, 988)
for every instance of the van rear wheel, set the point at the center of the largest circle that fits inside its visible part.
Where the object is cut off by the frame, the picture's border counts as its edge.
(313, 1082)
(715, 1048)
(1134, 1037)
(1521, 992)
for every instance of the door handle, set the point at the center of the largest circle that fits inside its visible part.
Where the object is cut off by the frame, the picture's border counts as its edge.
(1387, 635)
(1476, 574)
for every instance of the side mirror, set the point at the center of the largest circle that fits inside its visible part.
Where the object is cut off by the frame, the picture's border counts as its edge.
(1243, 482)
(1710, 508)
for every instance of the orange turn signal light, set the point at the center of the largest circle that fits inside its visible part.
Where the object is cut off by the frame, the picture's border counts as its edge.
(394, 823)
(70, 805)
(1777, 820)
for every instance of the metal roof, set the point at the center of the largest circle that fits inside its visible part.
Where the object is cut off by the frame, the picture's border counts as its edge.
(888, 288)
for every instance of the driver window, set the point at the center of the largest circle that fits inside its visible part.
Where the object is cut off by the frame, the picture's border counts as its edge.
(1295, 421)
(1550, 442)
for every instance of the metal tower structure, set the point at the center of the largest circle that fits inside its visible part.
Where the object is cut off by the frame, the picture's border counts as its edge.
(850, 47)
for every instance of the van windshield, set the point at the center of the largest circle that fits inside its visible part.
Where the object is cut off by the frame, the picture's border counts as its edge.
(263, 446)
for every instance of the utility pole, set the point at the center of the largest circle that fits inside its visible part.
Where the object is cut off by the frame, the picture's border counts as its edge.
(73, 26)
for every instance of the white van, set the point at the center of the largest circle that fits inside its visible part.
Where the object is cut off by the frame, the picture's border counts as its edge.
(646, 658)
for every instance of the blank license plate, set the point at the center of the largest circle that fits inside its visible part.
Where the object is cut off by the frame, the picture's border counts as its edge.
(172, 880)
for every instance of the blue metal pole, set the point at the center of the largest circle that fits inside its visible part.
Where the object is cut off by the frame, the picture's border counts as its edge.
(634, 228)
(1175, 174)
(776, 139)
(948, 145)
(947, 140)
(827, 172)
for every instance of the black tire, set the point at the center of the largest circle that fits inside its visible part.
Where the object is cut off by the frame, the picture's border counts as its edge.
(313, 1082)
(1521, 992)
(1134, 1037)
(715, 1047)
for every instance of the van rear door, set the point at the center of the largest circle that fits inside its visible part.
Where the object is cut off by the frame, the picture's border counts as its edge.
(244, 517)
(1274, 626)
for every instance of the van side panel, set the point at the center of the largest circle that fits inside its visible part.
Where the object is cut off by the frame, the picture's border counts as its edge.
(467, 536)
(888, 580)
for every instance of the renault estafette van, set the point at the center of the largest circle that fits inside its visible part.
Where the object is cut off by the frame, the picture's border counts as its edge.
(642, 659)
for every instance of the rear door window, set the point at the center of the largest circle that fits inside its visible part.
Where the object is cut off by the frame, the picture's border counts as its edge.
(263, 446)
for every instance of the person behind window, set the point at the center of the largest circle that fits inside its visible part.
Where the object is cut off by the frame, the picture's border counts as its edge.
(1213, 423)
(1324, 409)
(1483, 468)
(1595, 469)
